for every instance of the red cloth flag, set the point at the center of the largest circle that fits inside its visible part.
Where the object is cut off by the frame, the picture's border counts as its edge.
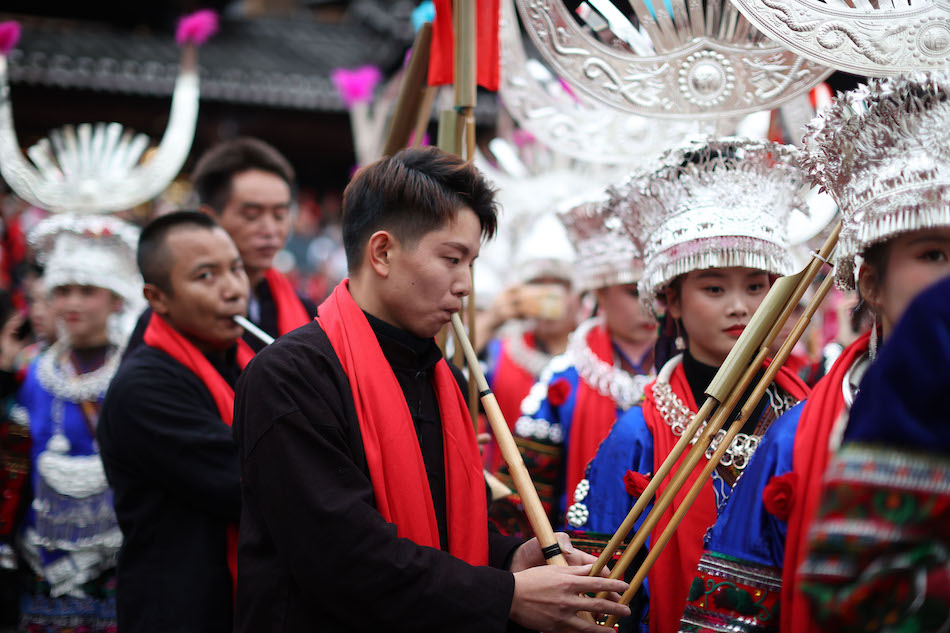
(441, 65)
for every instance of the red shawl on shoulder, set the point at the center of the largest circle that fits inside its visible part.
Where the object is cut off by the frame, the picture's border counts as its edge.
(291, 313)
(396, 468)
(594, 415)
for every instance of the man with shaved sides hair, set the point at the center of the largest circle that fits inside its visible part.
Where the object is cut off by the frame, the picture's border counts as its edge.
(165, 435)
(363, 499)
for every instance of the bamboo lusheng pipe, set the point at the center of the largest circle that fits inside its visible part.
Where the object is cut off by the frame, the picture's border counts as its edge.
(509, 450)
(411, 94)
(747, 409)
(775, 310)
(686, 468)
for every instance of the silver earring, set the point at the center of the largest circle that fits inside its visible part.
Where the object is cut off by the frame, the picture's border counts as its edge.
(679, 342)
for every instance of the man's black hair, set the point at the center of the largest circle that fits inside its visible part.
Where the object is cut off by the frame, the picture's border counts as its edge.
(153, 257)
(217, 167)
(410, 194)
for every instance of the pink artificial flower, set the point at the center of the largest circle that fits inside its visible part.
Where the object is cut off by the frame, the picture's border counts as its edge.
(356, 86)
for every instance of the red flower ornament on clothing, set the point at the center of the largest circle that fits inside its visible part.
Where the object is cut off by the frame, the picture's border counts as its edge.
(778, 496)
(635, 483)
(558, 391)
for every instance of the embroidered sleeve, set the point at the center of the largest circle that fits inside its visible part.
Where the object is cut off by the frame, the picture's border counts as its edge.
(879, 555)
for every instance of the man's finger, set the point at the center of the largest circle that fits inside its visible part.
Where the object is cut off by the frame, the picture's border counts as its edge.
(601, 606)
(596, 584)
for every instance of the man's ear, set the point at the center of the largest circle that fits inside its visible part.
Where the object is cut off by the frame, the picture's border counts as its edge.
(209, 211)
(379, 252)
(157, 299)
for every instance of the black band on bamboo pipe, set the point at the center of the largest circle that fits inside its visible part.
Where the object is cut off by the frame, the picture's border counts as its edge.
(482, 394)
(551, 551)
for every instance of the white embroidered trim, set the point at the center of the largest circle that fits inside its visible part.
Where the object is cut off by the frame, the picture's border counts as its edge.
(538, 428)
(622, 387)
(578, 513)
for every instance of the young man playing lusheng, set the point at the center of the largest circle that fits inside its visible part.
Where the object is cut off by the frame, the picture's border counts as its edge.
(363, 499)
(164, 436)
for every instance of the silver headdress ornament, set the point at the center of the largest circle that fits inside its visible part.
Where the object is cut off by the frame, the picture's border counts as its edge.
(717, 203)
(88, 250)
(606, 254)
(99, 168)
(92, 250)
(544, 251)
(685, 59)
(575, 124)
(865, 37)
(883, 153)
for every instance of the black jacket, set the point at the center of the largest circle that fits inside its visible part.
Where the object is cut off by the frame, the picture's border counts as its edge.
(314, 552)
(173, 466)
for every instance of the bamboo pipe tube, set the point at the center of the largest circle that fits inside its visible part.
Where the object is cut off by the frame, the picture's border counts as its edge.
(509, 450)
(772, 314)
(682, 473)
(425, 114)
(747, 409)
(411, 94)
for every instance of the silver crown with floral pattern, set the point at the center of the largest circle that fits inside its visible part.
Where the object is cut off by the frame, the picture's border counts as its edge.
(716, 203)
(883, 154)
(606, 255)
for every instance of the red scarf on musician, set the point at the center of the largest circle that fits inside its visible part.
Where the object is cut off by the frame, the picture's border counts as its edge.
(594, 415)
(671, 575)
(510, 384)
(810, 460)
(396, 468)
(291, 313)
(160, 335)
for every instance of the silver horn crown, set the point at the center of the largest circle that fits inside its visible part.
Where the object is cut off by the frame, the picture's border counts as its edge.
(98, 168)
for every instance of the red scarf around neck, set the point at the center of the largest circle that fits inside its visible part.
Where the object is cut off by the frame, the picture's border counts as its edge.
(396, 468)
(810, 460)
(160, 335)
(291, 312)
(594, 415)
(671, 575)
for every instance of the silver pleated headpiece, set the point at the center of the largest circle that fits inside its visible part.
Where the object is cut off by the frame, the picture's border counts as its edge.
(716, 203)
(606, 254)
(883, 153)
(88, 250)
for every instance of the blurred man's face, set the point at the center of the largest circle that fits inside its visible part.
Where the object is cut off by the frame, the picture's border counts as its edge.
(257, 217)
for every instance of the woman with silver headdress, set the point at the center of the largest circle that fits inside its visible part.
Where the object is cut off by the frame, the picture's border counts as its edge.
(607, 363)
(71, 538)
(883, 153)
(714, 221)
